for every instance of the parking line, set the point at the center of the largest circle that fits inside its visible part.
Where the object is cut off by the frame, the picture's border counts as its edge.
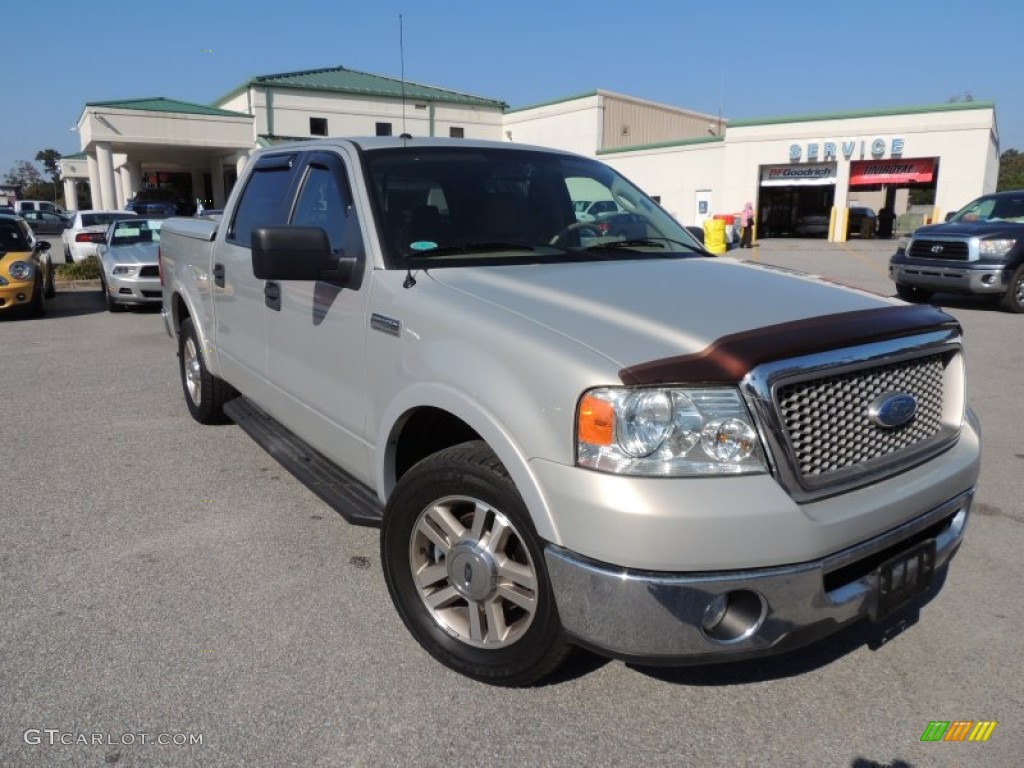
(866, 260)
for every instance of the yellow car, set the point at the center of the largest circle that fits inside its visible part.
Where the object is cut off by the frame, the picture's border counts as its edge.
(26, 270)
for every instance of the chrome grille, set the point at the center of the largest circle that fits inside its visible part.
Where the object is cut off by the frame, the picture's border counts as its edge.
(826, 419)
(956, 250)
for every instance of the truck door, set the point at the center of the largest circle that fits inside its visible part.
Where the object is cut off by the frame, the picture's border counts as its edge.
(316, 330)
(240, 335)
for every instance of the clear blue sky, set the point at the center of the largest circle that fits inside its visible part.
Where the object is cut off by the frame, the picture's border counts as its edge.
(775, 59)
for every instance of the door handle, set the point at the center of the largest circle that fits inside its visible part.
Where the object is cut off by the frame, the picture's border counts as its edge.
(218, 275)
(272, 296)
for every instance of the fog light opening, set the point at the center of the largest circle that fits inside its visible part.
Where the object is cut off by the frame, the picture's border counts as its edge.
(21, 297)
(733, 616)
(988, 279)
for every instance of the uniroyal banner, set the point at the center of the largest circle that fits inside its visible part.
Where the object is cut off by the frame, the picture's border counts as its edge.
(798, 175)
(892, 171)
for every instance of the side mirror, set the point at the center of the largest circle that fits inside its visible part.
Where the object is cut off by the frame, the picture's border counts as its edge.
(950, 215)
(298, 253)
(43, 245)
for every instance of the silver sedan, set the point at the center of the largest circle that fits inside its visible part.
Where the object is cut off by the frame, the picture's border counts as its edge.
(130, 273)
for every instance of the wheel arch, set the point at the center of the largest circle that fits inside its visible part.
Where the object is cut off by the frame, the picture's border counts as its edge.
(428, 418)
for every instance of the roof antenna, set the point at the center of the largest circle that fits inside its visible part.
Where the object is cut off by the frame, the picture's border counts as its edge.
(401, 57)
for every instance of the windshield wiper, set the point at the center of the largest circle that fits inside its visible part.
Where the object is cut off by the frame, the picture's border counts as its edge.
(641, 242)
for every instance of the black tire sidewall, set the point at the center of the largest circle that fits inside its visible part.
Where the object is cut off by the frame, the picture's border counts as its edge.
(459, 471)
(204, 412)
(1009, 300)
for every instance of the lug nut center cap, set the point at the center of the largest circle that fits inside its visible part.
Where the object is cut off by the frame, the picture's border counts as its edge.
(472, 571)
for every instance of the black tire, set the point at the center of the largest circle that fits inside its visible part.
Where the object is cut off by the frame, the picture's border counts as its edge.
(112, 306)
(461, 483)
(51, 287)
(37, 307)
(912, 293)
(67, 255)
(205, 394)
(1013, 299)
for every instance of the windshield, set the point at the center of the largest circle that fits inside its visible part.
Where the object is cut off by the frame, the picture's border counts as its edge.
(129, 232)
(992, 208)
(12, 238)
(472, 205)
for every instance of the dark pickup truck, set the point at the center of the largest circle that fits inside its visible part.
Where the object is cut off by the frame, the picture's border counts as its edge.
(979, 249)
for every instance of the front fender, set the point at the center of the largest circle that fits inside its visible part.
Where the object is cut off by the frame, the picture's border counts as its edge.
(484, 422)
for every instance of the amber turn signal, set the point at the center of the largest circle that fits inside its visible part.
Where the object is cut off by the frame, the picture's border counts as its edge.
(596, 421)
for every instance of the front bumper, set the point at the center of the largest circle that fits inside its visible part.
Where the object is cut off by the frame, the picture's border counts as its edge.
(15, 295)
(958, 278)
(658, 617)
(135, 290)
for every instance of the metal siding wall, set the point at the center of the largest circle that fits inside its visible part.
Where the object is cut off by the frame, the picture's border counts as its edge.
(648, 124)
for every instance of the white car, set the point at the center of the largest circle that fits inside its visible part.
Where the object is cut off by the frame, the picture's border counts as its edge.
(87, 230)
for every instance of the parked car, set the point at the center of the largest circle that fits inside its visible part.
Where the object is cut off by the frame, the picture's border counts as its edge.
(631, 447)
(24, 206)
(158, 202)
(978, 250)
(813, 225)
(26, 274)
(855, 221)
(87, 229)
(588, 211)
(45, 223)
(130, 273)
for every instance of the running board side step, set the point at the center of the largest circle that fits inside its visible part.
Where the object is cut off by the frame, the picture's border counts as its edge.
(351, 499)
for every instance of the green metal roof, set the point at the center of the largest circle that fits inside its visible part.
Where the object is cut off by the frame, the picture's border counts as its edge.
(663, 145)
(962, 105)
(342, 80)
(161, 104)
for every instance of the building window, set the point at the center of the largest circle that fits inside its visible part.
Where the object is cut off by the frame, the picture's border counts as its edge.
(383, 129)
(318, 126)
(456, 133)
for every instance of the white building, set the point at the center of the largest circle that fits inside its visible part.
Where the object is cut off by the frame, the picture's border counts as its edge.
(696, 164)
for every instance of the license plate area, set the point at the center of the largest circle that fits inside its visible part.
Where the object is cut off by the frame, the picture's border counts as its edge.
(902, 578)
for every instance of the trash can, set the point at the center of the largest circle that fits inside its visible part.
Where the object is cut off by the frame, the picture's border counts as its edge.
(714, 236)
(731, 235)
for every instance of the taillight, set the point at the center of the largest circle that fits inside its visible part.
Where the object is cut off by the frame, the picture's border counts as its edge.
(160, 265)
(602, 227)
(89, 237)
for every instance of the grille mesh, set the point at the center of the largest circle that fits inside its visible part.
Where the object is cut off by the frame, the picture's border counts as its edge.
(827, 419)
(949, 249)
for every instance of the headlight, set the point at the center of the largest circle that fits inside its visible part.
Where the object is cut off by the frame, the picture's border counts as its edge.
(667, 432)
(21, 270)
(125, 269)
(995, 247)
(902, 245)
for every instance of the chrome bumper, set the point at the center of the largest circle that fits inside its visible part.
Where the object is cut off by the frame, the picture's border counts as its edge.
(661, 617)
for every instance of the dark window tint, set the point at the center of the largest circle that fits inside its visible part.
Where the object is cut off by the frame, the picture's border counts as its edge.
(264, 202)
(318, 126)
(95, 219)
(12, 238)
(324, 202)
(383, 129)
(456, 132)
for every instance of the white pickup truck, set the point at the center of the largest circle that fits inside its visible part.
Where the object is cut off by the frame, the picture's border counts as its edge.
(571, 436)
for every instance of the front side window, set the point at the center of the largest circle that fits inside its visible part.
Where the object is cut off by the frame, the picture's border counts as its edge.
(460, 206)
(325, 202)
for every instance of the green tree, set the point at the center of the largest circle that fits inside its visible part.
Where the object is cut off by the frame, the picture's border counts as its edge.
(50, 159)
(1011, 170)
(23, 174)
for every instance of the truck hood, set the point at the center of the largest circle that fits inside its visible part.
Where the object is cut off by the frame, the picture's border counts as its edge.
(980, 229)
(634, 312)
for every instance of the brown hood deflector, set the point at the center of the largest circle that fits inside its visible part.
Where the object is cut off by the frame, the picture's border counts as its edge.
(730, 358)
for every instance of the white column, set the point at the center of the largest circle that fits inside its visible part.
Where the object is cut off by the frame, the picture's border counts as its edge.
(118, 190)
(70, 195)
(217, 181)
(95, 200)
(134, 176)
(127, 182)
(105, 161)
(841, 200)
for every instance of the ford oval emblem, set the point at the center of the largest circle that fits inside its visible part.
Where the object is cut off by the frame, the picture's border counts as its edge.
(892, 409)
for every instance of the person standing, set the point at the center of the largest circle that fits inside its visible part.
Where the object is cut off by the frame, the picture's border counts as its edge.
(747, 226)
(886, 217)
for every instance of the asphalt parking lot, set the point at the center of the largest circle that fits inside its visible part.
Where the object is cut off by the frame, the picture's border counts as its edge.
(164, 579)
